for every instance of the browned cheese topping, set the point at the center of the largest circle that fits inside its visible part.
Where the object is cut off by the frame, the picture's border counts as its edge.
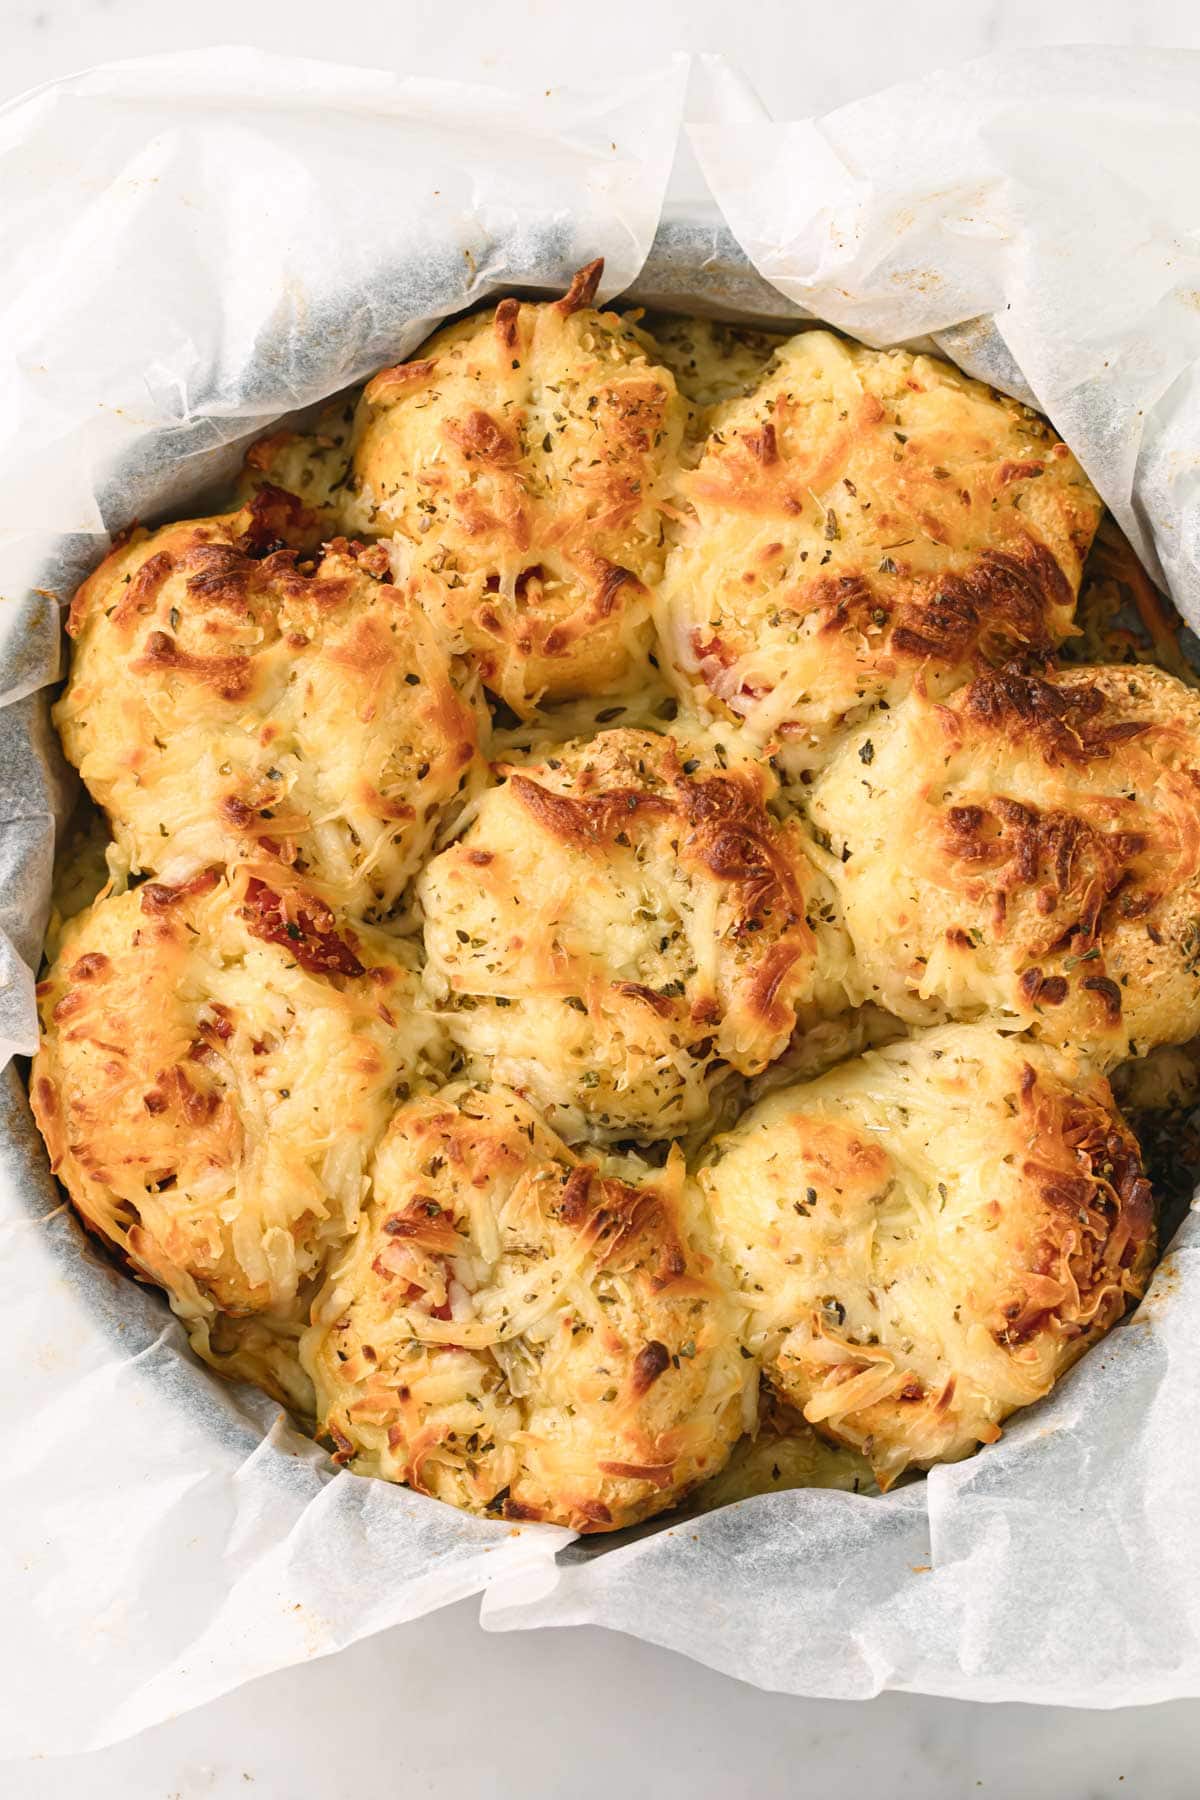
(622, 920)
(929, 1236)
(1028, 850)
(523, 460)
(232, 696)
(525, 1333)
(217, 1062)
(413, 992)
(861, 519)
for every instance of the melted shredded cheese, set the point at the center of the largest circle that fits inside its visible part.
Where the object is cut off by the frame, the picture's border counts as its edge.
(1029, 851)
(522, 460)
(209, 1101)
(225, 704)
(682, 563)
(928, 1236)
(523, 1332)
(622, 922)
(861, 518)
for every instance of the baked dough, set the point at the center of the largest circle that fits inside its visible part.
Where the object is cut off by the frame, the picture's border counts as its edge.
(863, 518)
(524, 1332)
(622, 922)
(217, 1063)
(759, 636)
(1028, 850)
(928, 1237)
(229, 700)
(523, 459)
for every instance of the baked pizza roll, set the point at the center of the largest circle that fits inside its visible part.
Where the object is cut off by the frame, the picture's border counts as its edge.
(523, 1332)
(231, 698)
(523, 458)
(928, 1237)
(862, 518)
(1029, 851)
(622, 923)
(217, 1063)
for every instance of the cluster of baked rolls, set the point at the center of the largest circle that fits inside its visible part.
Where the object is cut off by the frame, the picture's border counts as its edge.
(619, 916)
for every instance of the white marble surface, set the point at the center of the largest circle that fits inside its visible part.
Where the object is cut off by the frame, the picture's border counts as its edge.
(437, 1708)
(802, 59)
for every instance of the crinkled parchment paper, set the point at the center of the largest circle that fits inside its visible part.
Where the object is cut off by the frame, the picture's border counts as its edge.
(1036, 212)
(194, 246)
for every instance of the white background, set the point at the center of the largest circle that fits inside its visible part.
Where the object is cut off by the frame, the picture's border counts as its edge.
(437, 1708)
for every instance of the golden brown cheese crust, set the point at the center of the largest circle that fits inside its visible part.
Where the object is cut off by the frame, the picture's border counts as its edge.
(621, 922)
(636, 931)
(1028, 850)
(217, 1062)
(928, 1237)
(862, 518)
(523, 1333)
(522, 458)
(227, 700)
